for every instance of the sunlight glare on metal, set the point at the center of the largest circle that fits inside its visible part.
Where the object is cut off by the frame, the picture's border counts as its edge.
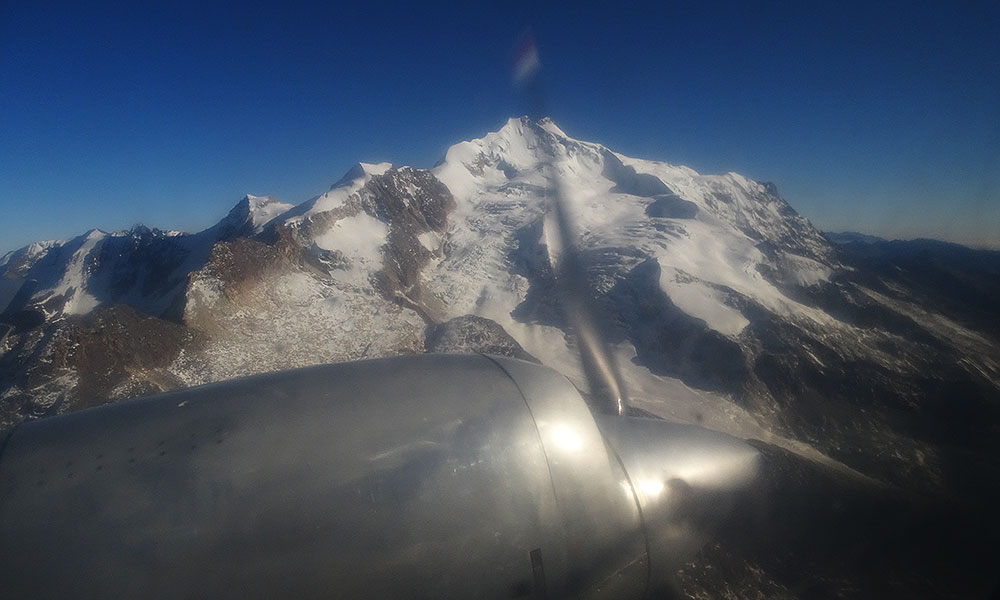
(566, 438)
(651, 488)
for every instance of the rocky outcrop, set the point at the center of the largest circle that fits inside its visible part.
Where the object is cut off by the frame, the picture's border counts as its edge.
(415, 205)
(107, 355)
(470, 334)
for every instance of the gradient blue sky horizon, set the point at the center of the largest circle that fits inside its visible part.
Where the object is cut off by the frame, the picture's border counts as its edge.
(872, 117)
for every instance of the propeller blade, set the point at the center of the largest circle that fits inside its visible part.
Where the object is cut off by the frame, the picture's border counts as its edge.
(599, 366)
(603, 376)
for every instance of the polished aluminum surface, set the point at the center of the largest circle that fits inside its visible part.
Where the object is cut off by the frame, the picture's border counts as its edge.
(686, 479)
(606, 547)
(427, 476)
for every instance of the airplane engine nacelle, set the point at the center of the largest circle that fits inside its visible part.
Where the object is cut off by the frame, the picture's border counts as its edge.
(424, 476)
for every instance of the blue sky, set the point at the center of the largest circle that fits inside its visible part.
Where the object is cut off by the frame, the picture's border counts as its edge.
(877, 117)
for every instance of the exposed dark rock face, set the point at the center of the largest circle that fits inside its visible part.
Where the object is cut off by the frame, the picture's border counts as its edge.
(408, 198)
(122, 353)
(412, 203)
(141, 268)
(144, 268)
(470, 334)
(234, 268)
(74, 363)
(243, 261)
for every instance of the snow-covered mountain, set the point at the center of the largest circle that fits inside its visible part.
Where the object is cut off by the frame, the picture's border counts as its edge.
(727, 308)
(697, 270)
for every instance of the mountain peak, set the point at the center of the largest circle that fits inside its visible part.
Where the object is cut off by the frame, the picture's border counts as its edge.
(264, 208)
(520, 148)
(355, 178)
(549, 125)
(525, 125)
(250, 215)
(362, 170)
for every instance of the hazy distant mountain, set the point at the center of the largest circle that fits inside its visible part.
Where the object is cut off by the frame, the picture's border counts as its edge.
(849, 237)
(861, 365)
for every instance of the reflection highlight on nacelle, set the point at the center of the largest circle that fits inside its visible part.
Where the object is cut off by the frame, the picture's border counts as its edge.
(566, 438)
(685, 480)
(650, 487)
